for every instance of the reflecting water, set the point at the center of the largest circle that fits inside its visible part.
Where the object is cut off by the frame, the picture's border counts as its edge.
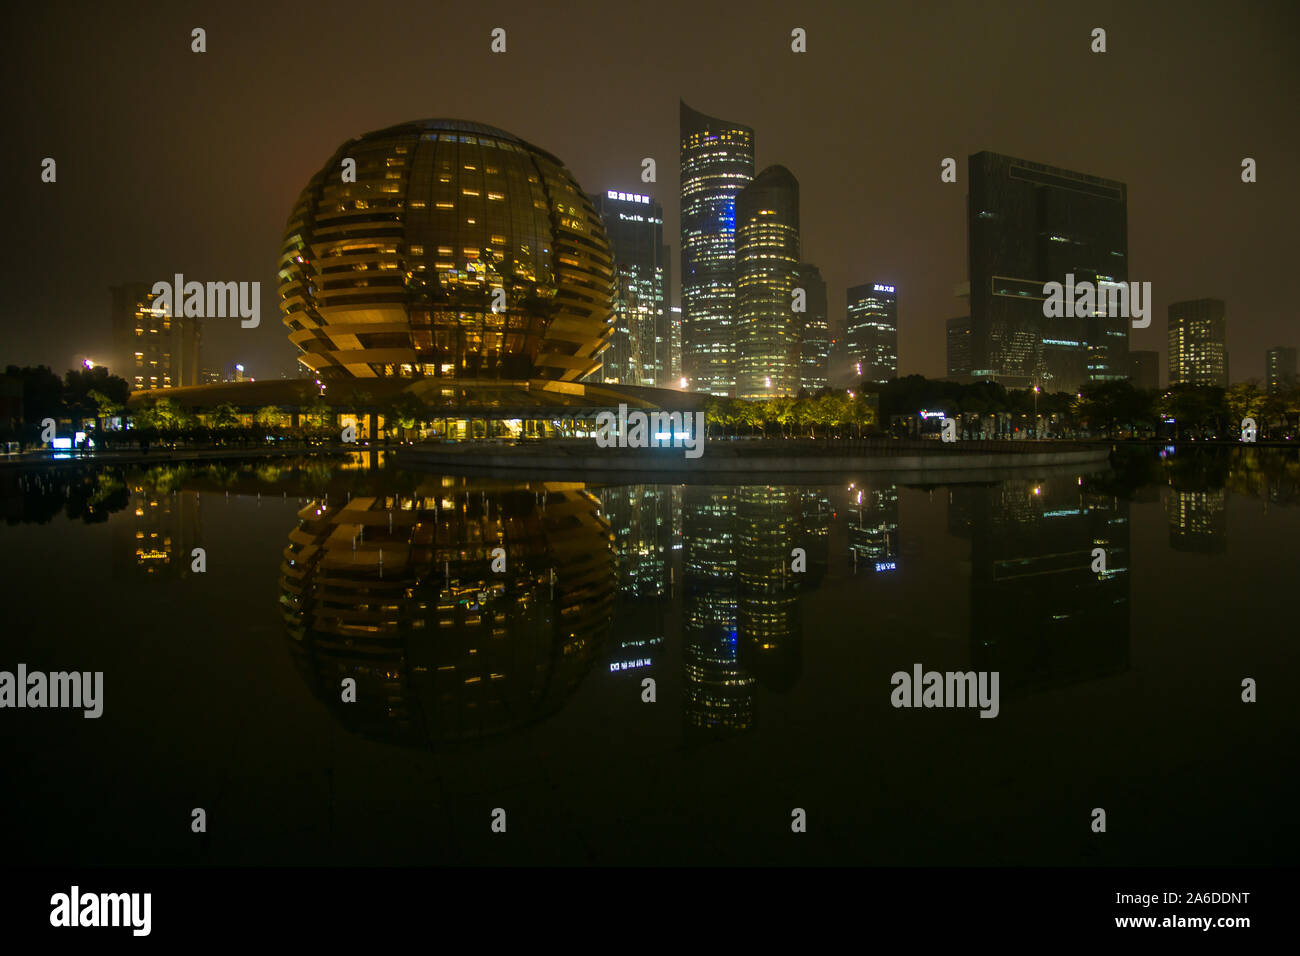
(497, 636)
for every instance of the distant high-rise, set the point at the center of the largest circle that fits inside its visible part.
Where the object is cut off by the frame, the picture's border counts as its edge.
(871, 332)
(767, 263)
(1030, 224)
(959, 349)
(152, 348)
(815, 335)
(1280, 368)
(717, 161)
(1144, 369)
(639, 349)
(675, 344)
(1198, 343)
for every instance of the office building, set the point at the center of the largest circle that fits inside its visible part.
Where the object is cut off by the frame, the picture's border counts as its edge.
(871, 332)
(717, 161)
(1030, 224)
(639, 351)
(1198, 343)
(814, 333)
(1280, 369)
(959, 349)
(768, 359)
(152, 348)
(1144, 369)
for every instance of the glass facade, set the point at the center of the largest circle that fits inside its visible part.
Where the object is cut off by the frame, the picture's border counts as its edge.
(717, 161)
(871, 332)
(814, 331)
(640, 349)
(401, 273)
(768, 359)
(1030, 224)
(959, 349)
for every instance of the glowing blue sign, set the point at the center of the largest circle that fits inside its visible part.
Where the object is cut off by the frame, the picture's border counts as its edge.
(883, 288)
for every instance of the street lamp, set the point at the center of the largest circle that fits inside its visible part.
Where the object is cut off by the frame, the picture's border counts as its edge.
(1035, 411)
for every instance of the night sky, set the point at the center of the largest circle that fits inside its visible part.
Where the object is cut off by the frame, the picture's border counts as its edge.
(171, 161)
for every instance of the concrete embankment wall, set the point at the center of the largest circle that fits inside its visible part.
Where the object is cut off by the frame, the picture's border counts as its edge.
(724, 461)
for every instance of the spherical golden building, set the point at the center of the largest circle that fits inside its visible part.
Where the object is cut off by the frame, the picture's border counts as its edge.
(446, 249)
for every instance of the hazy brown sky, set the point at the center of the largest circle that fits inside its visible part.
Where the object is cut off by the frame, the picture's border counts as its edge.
(171, 161)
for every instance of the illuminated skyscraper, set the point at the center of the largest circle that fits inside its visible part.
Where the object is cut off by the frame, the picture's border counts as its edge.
(814, 333)
(1030, 224)
(767, 261)
(151, 348)
(675, 344)
(717, 161)
(1198, 343)
(871, 332)
(639, 352)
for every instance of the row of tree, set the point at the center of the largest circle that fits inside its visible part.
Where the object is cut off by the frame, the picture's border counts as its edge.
(826, 413)
(1100, 408)
(1106, 408)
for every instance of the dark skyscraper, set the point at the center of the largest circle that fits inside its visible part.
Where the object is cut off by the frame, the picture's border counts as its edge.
(959, 349)
(814, 335)
(717, 161)
(767, 261)
(1031, 224)
(1280, 369)
(871, 332)
(1144, 369)
(639, 350)
(1198, 343)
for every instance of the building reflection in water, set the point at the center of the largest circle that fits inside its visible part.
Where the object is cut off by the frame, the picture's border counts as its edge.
(741, 611)
(394, 588)
(161, 529)
(645, 521)
(873, 528)
(1040, 614)
(397, 592)
(1198, 520)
